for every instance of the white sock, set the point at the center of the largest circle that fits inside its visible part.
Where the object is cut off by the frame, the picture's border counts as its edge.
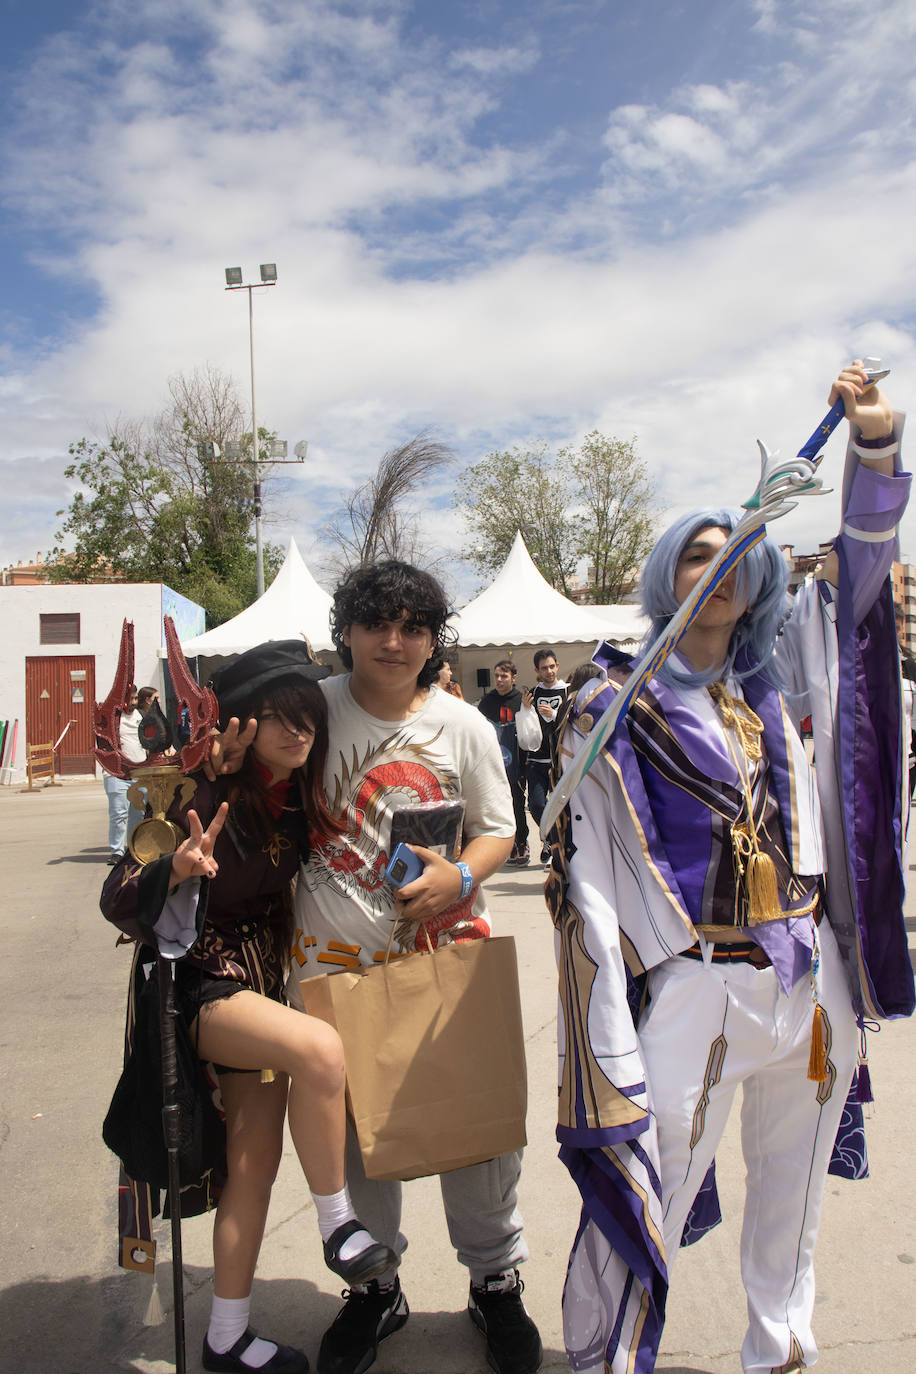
(332, 1210)
(229, 1321)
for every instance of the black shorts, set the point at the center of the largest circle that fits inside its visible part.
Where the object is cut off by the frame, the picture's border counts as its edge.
(195, 988)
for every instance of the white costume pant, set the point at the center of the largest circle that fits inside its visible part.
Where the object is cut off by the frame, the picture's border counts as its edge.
(708, 1029)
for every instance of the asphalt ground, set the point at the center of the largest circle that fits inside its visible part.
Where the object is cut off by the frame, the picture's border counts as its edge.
(66, 1307)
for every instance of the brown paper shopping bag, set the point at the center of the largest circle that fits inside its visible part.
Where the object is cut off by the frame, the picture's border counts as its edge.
(436, 1075)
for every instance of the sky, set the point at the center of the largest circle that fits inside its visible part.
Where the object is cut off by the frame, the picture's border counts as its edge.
(506, 222)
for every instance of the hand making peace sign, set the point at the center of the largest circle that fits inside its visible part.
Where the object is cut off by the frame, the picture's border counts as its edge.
(194, 858)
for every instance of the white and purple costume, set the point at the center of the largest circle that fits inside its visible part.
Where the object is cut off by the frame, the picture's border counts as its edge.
(643, 882)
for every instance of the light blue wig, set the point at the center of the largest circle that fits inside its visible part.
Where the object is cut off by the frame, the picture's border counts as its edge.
(762, 579)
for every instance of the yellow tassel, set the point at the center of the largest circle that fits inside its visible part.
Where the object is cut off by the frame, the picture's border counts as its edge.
(268, 1075)
(817, 1060)
(762, 890)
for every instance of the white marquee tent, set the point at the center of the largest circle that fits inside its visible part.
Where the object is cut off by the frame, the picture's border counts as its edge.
(518, 609)
(521, 607)
(293, 607)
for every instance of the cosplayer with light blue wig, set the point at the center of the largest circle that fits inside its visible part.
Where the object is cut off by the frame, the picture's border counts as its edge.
(761, 582)
(726, 917)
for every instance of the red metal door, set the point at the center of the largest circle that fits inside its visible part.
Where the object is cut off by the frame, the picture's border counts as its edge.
(59, 691)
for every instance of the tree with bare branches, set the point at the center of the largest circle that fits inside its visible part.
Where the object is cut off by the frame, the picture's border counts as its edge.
(154, 505)
(377, 521)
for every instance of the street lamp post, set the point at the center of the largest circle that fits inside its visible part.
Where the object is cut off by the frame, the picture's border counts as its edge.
(234, 282)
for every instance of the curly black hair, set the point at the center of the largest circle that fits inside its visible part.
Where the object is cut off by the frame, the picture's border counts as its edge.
(387, 591)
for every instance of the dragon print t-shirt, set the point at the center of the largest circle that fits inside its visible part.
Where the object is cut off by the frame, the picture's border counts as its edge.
(444, 751)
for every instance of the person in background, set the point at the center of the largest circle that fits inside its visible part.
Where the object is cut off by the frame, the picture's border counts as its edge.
(908, 683)
(547, 698)
(123, 818)
(582, 673)
(447, 682)
(516, 729)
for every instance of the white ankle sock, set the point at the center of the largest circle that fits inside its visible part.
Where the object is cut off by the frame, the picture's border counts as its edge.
(228, 1321)
(332, 1210)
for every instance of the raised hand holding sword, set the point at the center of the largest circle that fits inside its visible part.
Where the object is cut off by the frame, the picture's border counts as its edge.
(853, 394)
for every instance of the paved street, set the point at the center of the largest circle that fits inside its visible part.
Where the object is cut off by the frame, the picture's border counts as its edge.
(66, 1307)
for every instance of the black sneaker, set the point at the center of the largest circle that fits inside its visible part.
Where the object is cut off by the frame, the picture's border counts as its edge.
(496, 1308)
(545, 854)
(519, 858)
(369, 1314)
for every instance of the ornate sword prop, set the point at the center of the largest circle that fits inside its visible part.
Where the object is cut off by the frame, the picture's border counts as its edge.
(772, 497)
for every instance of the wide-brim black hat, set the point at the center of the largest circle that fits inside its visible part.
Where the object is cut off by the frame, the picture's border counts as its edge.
(279, 661)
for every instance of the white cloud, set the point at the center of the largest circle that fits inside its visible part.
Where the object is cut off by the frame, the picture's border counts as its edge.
(497, 61)
(431, 273)
(782, 122)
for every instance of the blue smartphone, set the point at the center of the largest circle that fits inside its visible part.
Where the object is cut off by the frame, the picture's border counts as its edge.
(404, 867)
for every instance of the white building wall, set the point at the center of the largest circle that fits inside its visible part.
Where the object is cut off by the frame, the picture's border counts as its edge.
(102, 610)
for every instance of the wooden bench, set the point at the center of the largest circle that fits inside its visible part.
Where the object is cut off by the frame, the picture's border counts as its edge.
(39, 765)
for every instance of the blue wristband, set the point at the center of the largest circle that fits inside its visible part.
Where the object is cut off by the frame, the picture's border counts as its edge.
(467, 878)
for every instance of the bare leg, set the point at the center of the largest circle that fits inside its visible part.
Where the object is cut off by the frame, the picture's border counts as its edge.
(248, 1031)
(254, 1143)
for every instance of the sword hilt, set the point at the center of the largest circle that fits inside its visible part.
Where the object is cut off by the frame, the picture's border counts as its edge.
(874, 373)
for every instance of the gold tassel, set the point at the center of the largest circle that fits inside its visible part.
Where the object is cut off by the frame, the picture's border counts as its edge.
(762, 889)
(737, 715)
(268, 1075)
(817, 1060)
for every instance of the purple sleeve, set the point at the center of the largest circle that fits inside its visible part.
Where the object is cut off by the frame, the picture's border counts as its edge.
(872, 506)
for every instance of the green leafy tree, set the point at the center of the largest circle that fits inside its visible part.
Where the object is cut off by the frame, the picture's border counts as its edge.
(154, 505)
(612, 520)
(594, 502)
(519, 489)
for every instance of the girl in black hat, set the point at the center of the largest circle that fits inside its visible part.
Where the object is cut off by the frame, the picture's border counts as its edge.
(227, 893)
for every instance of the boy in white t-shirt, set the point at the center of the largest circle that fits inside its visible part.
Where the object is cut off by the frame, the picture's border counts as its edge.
(396, 739)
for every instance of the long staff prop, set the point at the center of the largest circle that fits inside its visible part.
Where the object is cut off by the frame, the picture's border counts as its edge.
(772, 497)
(171, 1127)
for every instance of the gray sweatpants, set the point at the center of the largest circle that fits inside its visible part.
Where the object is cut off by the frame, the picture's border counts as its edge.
(481, 1208)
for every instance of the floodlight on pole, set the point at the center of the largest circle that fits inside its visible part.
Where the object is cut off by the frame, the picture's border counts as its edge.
(234, 282)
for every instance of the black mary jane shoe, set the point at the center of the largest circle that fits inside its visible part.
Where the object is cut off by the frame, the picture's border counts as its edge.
(285, 1360)
(376, 1259)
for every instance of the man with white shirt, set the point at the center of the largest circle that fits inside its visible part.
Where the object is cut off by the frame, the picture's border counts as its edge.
(122, 817)
(547, 698)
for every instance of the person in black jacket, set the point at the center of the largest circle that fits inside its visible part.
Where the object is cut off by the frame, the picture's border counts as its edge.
(501, 706)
